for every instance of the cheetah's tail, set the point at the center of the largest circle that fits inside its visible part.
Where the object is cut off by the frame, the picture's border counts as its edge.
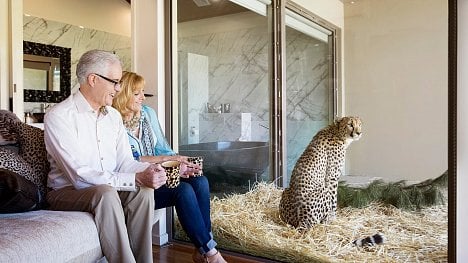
(369, 240)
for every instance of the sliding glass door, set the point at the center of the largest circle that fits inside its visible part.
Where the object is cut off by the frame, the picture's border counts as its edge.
(309, 82)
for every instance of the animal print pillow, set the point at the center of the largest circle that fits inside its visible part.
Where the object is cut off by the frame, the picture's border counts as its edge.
(9, 160)
(32, 149)
(8, 123)
(18, 193)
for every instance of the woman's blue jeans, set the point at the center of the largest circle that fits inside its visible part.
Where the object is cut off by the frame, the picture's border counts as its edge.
(192, 203)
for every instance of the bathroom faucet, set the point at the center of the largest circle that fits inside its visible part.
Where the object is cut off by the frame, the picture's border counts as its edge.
(44, 107)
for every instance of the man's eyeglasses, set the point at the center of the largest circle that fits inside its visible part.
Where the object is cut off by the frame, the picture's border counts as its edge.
(115, 82)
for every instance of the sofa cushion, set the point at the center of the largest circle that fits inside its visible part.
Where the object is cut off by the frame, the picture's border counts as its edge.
(17, 194)
(49, 236)
(32, 150)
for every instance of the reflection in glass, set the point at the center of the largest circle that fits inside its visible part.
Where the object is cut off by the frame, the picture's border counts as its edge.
(309, 91)
(223, 93)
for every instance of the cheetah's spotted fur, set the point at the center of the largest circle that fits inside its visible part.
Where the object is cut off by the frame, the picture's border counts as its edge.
(311, 197)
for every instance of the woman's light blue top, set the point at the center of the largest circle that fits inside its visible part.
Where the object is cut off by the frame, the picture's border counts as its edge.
(161, 146)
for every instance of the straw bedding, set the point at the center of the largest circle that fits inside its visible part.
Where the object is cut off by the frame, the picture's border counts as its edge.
(249, 223)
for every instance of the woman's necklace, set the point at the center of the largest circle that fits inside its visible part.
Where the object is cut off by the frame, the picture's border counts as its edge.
(133, 124)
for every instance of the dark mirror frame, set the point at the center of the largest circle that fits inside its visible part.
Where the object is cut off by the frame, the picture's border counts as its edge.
(64, 54)
(452, 129)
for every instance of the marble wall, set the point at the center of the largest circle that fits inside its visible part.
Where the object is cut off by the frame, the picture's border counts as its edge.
(238, 74)
(309, 95)
(80, 40)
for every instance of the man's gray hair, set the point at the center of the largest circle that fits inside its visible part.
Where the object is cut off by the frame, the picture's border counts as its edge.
(95, 61)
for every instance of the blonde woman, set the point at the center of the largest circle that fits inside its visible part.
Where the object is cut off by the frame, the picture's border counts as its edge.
(192, 197)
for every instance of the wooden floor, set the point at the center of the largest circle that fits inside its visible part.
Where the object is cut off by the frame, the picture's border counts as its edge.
(182, 253)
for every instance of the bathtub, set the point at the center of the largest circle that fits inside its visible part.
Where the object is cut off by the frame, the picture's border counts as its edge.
(232, 162)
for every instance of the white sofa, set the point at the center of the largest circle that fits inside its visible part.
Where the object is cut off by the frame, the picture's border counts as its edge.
(45, 235)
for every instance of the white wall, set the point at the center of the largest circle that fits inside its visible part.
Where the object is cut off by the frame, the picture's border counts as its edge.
(462, 132)
(148, 49)
(148, 60)
(330, 10)
(111, 16)
(396, 80)
(11, 56)
(4, 54)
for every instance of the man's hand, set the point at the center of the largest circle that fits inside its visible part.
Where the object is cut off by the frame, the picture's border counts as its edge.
(153, 177)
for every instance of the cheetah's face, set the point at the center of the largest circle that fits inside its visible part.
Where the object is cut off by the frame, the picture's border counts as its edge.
(351, 127)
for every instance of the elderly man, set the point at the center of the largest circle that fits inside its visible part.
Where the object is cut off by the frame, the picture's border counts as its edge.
(92, 167)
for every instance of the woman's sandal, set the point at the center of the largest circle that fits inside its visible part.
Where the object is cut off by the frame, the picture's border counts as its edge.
(199, 258)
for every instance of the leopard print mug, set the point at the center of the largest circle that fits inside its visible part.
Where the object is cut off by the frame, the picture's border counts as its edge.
(172, 172)
(197, 160)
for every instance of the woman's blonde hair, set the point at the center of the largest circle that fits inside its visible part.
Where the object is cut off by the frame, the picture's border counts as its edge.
(130, 83)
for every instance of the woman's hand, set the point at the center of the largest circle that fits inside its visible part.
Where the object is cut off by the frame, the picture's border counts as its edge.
(187, 168)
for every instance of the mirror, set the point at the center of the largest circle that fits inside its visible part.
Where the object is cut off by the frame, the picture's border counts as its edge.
(46, 72)
(41, 73)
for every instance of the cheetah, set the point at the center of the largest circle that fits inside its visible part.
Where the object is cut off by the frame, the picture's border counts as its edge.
(311, 197)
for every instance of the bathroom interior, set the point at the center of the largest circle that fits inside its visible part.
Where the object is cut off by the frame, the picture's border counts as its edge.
(223, 76)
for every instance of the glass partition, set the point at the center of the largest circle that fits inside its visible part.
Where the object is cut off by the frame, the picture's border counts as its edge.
(223, 71)
(310, 96)
(235, 109)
